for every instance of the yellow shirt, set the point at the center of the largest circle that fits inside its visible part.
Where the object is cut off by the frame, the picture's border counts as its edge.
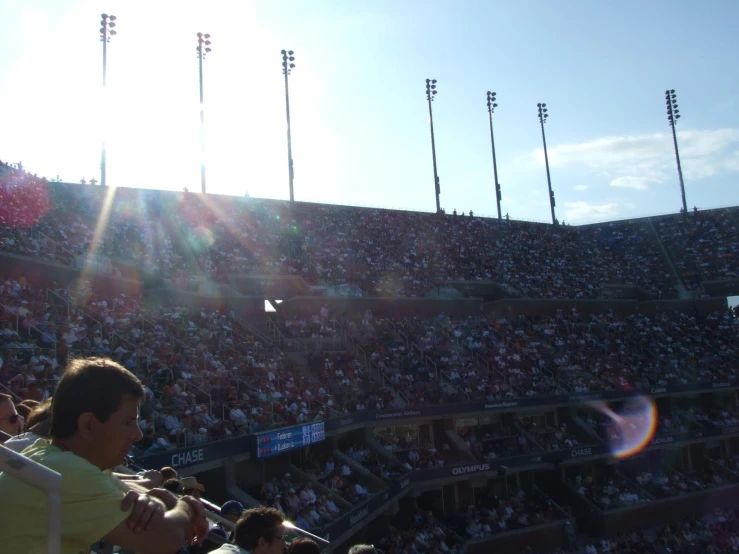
(91, 504)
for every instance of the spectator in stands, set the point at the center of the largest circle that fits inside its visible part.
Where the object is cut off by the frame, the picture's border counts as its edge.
(258, 531)
(173, 485)
(304, 545)
(168, 473)
(191, 487)
(94, 423)
(37, 425)
(25, 407)
(11, 421)
(232, 511)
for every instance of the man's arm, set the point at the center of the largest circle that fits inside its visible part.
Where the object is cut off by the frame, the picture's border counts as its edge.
(171, 534)
(149, 480)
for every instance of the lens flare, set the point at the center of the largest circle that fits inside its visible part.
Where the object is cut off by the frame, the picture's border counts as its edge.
(630, 431)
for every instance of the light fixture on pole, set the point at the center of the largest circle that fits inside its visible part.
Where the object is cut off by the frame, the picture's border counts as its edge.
(107, 30)
(543, 115)
(491, 96)
(288, 63)
(673, 114)
(203, 49)
(430, 94)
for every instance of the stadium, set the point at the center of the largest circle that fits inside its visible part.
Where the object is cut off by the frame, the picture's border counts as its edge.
(425, 383)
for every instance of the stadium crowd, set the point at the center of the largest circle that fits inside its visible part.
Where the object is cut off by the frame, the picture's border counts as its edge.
(385, 253)
(205, 376)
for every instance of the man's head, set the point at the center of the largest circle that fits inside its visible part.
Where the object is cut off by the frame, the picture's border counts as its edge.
(168, 473)
(94, 411)
(304, 545)
(260, 531)
(10, 420)
(173, 485)
(232, 510)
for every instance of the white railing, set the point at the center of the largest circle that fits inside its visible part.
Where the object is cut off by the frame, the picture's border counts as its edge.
(44, 479)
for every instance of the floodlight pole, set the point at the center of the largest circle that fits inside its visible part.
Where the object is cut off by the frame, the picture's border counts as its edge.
(288, 59)
(107, 30)
(430, 94)
(673, 114)
(543, 115)
(203, 49)
(491, 97)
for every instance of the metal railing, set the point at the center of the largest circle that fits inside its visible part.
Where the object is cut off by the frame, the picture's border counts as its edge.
(12, 313)
(65, 301)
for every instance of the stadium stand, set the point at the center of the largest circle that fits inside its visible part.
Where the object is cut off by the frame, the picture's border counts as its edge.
(480, 413)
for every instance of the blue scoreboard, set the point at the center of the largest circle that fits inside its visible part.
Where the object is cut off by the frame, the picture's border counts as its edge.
(284, 440)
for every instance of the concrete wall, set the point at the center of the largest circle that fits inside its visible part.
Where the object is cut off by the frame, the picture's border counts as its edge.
(381, 307)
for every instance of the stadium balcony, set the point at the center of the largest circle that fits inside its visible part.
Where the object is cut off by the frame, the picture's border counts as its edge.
(643, 491)
(386, 253)
(703, 245)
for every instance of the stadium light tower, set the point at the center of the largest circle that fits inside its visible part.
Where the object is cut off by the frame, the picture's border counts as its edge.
(203, 49)
(430, 94)
(107, 30)
(543, 115)
(491, 109)
(288, 63)
(673, 114)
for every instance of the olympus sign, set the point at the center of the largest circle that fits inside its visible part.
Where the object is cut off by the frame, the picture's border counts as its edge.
(410, 413)
(470, 469)
(358, 516)
(346, 421)
(658, 390)
(663, 440)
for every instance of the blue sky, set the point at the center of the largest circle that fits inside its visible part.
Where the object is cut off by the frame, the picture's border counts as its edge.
(360, 122)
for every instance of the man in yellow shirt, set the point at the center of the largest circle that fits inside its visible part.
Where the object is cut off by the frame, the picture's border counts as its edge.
(94, 424)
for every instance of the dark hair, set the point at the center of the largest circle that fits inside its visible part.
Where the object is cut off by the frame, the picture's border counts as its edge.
(304, 545)
(362, 549)
(173, 486)
(168, 473)
(40, 413)
(257, 523)
(23, 410)
(95, 385)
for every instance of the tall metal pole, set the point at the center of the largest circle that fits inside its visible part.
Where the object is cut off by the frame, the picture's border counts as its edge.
(430, 93)
(203, 49)
(491, 96)
(107, 29)
(673, 114)
(287, 64)
(202, 125)
(543, 115)
(103, 161)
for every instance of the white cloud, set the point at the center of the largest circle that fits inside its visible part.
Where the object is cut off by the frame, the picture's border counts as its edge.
(585, 211)
(580, 188)
(637, 162)
(636, 183)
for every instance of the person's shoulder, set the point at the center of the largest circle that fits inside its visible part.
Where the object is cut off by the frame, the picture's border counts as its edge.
(229, 549)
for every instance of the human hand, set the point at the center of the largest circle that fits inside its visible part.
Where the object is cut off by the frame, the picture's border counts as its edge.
(169, 499)
(147, 511)
(154, 477)
(197, 518)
